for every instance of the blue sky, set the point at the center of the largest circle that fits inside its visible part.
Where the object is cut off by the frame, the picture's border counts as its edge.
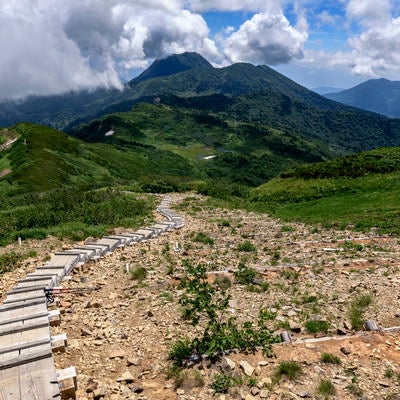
(54, 46)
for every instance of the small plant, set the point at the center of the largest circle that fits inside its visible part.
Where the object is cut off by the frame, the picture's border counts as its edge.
(291, 369)
(246, 246)
(245, 275)
(31, 253)
(354, 389)
(166, 248)
(276, 257)
(287, 228)
(315, 326)
(329, 358)
(222, 383)
(389, 373)
(224, 222)
(179, 352)
(352, 246)
(167, 296)
(9, 261)
(356, 309)
(252, 382)
(139, 274)
(326, 388)
(290, 275)
(258, 288)
(201, 300)
(307, 299)
(203, 238)
(170, 269)
(267, 315)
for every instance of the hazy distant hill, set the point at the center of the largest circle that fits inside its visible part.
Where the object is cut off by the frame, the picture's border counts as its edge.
(322, 90)
(377, 95)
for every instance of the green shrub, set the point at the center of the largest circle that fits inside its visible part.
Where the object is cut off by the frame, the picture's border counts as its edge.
(353, 246)
(354, 389)
(179, 352)
(203, 238)
(326, 387)
(329, 358)
(246, 246)
(224, 222)
(290, 275)
(357, 308)
(73, 212)
(315, 326)
(139, 274)
(245, 275)
(222, 383)
(201, 300)
(389, 373)
(290, 369)
(9, 261)
(306, 299)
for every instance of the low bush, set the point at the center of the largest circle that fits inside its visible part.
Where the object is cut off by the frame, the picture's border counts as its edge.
(201, 300)
(246, 246)
(203, 238)
(315, 326)
(291, 369)
(357, 308)
(139, 274)
(329, 358)
(244, 274)
(326, 388)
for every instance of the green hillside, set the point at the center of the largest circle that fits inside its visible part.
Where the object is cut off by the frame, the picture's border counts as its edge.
(52, 183)
(341, 132)
(222, 148)
(44, 159)
(361, 191)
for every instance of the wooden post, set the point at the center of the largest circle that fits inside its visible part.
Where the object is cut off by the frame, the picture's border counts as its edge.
(285, 336)
(370, 325)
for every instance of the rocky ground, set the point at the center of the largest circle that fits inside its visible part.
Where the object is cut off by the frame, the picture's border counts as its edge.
(119, 335)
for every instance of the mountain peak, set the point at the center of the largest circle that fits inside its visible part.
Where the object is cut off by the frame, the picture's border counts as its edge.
(377, 95)
(171, 65)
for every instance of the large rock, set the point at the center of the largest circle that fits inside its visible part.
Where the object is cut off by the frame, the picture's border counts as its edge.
(247, 368)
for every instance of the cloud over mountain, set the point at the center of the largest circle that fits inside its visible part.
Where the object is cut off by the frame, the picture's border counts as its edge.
(54, 46)
(267, 39)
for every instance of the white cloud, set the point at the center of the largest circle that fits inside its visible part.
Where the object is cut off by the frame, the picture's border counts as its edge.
(369, 12)
(235, 5)
(377, 50)
(53, 46)
(267, 39)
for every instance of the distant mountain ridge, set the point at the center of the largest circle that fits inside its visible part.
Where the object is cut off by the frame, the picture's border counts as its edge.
(184, 75)
(239, 93)
(322, 90)
(377, 95)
